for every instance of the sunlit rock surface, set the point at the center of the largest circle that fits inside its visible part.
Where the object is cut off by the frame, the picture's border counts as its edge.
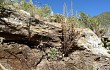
(90, 41)
(25, 41)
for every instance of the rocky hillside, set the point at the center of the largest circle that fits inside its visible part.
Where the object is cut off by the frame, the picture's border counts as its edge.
(29, 43)
(105, 19)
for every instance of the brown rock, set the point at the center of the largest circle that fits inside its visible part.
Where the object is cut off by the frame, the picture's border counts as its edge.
(20, 26)
(20, 57)
(85, 60)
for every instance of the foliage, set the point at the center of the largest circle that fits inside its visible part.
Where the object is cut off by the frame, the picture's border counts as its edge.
(19, 0)
(93, 23)
(59, 18)
(6, 4)
(52, 54)
(69, 37)
(84, 19)
(9, 2)
(74, 20)
(29, 7)
(1, 1)
(44, 11)
(31, 1)
(70, 19)
(104, 19)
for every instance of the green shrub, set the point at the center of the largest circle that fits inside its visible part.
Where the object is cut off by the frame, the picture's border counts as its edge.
(59, 18)
(52, 54)
(84, 19)
(93, 23)
(29, 7)
(44, 11)
(70, 19)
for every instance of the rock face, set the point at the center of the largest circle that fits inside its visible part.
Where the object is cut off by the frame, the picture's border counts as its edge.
(90, 41)
(19, 57)
(78, 60)
(85, 60)
(20, 26)
(26, 42)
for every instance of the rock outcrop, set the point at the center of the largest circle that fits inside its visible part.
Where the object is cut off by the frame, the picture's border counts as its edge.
(90, 41)
(26, 43)
(19, 26)
(78, 60)
(21, 57)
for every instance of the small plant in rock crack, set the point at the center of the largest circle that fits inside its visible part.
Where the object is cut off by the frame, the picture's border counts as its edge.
(52, 53)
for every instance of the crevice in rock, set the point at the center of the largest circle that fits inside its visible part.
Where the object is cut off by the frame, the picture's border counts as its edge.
(37, 41)
(40, 60)
(15, 38)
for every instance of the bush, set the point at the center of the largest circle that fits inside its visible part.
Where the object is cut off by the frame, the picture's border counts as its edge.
(52, 54)
(44, 11)
(73, 20)
(69, 37)
(59, 18)
(93, 23)
(29, 7)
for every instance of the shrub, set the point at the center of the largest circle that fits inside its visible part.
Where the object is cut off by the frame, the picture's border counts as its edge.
(72, 19)
(44, 11)
(52, 54)
(29, 7)
(69, 37)
(84, 19)
(59, 18)
(93, 23)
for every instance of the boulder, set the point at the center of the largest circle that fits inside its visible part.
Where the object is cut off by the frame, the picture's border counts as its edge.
(85, 60)
(90, 41)
(51, 65)
(19, 57)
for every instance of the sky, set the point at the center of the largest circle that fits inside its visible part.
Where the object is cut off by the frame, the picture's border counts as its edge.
(91, 7)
